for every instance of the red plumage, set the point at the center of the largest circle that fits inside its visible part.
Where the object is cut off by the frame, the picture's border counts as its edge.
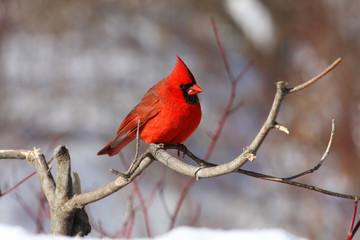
(169, 112)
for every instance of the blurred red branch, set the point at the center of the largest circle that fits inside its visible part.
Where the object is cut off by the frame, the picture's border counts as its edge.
(196, 216)
(131, 224)
(129, 218)
(221, 49)
(353, 230)
(156, 188)
(227, 111)
(18, 184)
(143, 207)
(22, 181)
(38, 216)
(180, 201)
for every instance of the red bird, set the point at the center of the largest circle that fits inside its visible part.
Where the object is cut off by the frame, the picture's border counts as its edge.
(169, 112)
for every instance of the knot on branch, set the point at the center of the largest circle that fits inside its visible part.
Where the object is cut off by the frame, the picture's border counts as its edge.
(61, 150)
(249, 154)
(281, 84)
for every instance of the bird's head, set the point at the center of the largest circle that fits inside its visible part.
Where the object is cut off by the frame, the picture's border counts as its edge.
(181, 83)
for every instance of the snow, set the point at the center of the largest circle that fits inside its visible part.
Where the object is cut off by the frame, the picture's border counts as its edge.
(9, 232)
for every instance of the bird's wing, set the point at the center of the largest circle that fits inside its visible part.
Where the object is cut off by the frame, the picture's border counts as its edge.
(144, 111)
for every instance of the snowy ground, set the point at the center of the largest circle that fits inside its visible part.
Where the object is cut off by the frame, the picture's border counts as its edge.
(15, 232)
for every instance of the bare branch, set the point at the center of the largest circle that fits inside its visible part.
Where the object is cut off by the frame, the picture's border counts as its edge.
(135, 162)
(16, 185)
(222, 51)
(244, 71)
(270, 121)
(178, 206)
(262, 176)
(63, 173)
(14, 154)
(85, 198)
(207, 165)
(326, 153)
(143, 207)
(315, 79)
(62, 220)
(356, 228)
(37, 159)
(351, 232)
(297, 184)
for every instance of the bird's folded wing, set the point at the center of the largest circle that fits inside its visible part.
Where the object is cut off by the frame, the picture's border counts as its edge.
(144, 111)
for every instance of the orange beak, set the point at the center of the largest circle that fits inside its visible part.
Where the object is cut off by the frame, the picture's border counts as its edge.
(194, 89)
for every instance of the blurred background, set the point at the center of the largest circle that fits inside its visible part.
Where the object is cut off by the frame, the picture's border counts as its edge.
(70, 71)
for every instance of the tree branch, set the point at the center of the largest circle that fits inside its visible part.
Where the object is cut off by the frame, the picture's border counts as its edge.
(315, 79)
(326, 153)
(37, 159)
(287, 180)
(62, 220)
(83, 199)
(63, 176)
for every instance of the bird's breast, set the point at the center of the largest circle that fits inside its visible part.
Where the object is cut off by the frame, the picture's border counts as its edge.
(173, 124)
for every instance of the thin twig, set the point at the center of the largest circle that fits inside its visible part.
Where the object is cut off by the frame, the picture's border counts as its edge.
(356, 228)
(18, 184)
(130, 224)
(350, 233)
(297, 184)
(315, 79)
(236, 107)
(137, 141)
(129, 211)
(326, 153)
(196, 216)
(143, 207)
(180, 201)
(157, 187)
(222, 51)
(27, 208)
(135, 161)
(244, 71)
(22, 181)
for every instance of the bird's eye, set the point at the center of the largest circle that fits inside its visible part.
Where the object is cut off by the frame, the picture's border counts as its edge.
(181, 86)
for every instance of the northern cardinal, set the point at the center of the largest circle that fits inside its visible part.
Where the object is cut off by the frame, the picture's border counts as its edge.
(169, 112)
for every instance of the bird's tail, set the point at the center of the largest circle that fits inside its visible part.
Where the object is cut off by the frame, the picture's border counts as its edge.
(112, 150)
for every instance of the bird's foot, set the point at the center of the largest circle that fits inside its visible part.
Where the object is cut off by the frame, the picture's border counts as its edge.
(181, 148)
